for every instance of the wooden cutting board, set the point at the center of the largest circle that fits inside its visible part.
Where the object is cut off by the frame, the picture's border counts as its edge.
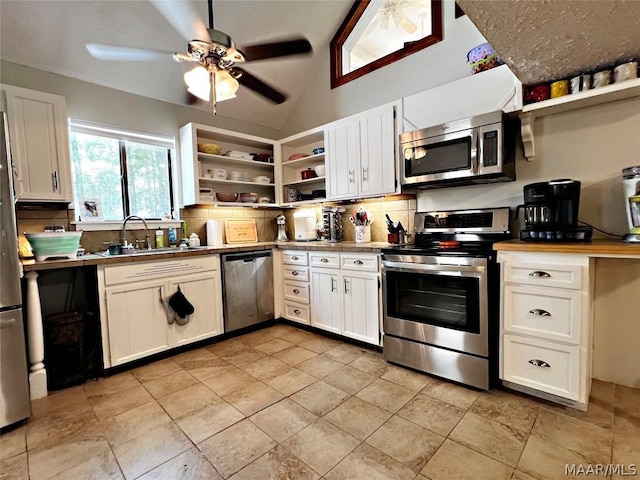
(241, 231)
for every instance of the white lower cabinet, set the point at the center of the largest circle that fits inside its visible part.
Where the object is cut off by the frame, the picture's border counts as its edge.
(361, 307)
(135, 322)
(326, 300)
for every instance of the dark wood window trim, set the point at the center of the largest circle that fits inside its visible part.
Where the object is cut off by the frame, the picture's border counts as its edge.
(339, 78)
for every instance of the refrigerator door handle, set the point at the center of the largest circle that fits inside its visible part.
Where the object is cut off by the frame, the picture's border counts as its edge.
(7, 323)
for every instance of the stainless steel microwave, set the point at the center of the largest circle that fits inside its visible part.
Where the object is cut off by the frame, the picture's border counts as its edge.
(472, 150)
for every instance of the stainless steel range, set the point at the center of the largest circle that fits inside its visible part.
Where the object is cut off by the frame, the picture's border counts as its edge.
(441, 295)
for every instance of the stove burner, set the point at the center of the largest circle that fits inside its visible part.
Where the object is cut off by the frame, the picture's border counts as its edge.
(449, 244)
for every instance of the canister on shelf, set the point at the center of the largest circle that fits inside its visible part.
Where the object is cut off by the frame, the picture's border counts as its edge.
(559, 88)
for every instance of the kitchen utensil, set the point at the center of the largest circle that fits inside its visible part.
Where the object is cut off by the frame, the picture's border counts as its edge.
(308, 173)
(631, 190)
(559, 88)
(54, 244)
(332, 223)
(318, 151)
(304, 222)
(580, 83)
(240, 231)
(281, 236)
(626, 71)
(210, 148)
(390, 226)
(235, 176)
(537, 93)
(249, 197)
(226, 196)
(262, 179)
(264, 200)
(602, 78)
(320, 170)
(363, 233)
(483, 57)
(219, 174)
(261, 157)
(297, 156)
(320, 193)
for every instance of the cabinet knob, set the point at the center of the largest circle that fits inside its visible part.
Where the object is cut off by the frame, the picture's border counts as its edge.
(324, 260)
(358, 262)
(539, 363)
(294, 273)
(297, 312)
(539, 312)
(294, 258)
(539, 274)
(296, 291)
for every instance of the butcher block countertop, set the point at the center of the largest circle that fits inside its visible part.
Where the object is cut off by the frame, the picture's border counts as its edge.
(593, 248)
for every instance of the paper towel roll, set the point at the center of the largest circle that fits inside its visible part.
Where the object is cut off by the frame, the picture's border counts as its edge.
(215, 229)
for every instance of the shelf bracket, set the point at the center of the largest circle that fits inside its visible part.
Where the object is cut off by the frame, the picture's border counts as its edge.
(526, 127)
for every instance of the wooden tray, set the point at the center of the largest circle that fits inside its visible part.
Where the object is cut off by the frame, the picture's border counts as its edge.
(241, 231)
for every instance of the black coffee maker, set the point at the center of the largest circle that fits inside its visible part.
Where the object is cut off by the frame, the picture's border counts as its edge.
(551, 212)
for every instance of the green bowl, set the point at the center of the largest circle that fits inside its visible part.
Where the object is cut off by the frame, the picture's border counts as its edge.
(54, 244)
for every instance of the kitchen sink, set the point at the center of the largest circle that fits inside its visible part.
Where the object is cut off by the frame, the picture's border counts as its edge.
(155, 251)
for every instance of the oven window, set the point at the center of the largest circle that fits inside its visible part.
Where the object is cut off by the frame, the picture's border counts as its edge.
(440, 157)
(443, 301)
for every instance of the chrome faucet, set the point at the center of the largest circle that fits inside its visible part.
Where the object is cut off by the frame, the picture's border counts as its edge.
(146, 230)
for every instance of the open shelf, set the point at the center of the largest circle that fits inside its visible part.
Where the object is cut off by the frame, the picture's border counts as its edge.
(235, 182)
(234, 161)
(305, 182)
(303, 162)
(304, 202)
(237, 204)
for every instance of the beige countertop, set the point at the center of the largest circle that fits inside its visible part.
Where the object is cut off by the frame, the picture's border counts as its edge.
(99, 259)
(593, 248)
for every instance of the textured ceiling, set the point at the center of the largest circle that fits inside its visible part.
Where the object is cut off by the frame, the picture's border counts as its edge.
(544, 40)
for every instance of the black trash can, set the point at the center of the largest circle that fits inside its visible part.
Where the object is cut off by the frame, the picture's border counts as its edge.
(64, 348)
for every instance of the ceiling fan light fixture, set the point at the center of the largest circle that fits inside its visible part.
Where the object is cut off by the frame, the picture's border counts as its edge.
(226, 85)
(198, 84)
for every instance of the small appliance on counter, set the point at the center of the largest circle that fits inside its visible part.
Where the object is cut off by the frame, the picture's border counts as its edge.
(282, 229)
(631, 188)
(332, 222)
(551, 212)
(304, 223)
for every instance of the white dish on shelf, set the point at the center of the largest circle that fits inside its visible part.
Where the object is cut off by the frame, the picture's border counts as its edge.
(262, 179)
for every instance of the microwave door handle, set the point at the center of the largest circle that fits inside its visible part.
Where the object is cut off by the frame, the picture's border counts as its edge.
(475, 150)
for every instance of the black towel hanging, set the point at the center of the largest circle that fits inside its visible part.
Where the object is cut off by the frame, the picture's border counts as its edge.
(179, 304)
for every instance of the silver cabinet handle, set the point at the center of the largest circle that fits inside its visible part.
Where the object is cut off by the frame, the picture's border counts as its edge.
(358, 262)
(365, 176)
(352, 176)
(296, 311)
(295, 273)
(333, 284)
(539, 363)
(324, 260)
(346, 286)
(296, 291)
(54, 177)
(294, 258)
(539, 312)
(540, 274)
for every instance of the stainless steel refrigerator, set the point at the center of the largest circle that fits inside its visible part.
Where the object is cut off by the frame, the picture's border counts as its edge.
(15, 404)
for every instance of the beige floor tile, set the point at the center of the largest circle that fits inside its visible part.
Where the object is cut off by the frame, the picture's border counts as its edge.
(386, 395)
(406, 442)
(518, 475)
(585, 438)
(320, 398)
(209, 420)
(13, 442)
(102, 467)
(507, 409)
(626, 451)
(491, 438)
(454, 461)
(294, 355)
(349, 379)
(193, 358)
(245, 357)
(283, 419)
(462, 397)
(291, 381)
(344, 353)
(277, 464)
(321, 445)
(357, 417)
(627, 410)
(372, 364)
(600, 410)
(15, 467)
(406, 378)
(188, 400)
(46, 429)
(257, 337)
(297, 336)
(147, 451)
(135, 422)
(546, 460)
(105, 386)
(319, 344)
(281, 330)
(155, 370)
(112, 404)
(253, 398)
(205, 369)
(170, 383)
(432, 414)
(190, 465)
(228, 347)
(367, 462)
(273, 345)
(70, 398)
(319, 366)
(266, 368)
(234, 448)
(230, 382)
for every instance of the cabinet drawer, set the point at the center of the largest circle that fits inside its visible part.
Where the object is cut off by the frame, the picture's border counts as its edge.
(139, 271)
(551, 313)
(544, 366)
(297, 312)
(324, 259)
(297, 291)
(550, 275)
(296, 273)
(359, 262)
(294, 258)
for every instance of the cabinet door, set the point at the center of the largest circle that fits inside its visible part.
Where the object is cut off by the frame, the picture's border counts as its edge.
(205, 294)
(39, 145)
(377, 152)
(326, 311)
(361, 307)
(342, 159)
(137, 320)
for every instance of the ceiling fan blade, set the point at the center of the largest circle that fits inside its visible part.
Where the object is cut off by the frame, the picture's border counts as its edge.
(183, 16)
(257, 85)
(126, 54)
(276, 49)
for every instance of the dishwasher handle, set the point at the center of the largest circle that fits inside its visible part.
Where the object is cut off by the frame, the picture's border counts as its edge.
(247, 257)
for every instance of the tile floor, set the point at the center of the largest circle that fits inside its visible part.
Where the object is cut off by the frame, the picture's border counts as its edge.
(285, 403)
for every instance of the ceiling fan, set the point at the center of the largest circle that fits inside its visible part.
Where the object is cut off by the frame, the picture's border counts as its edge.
(216, 77)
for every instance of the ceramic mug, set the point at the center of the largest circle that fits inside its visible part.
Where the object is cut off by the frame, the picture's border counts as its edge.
(580, 83)
(537, 93)
(601, 79)
(626, 71)
(220, 173)
(559, 88)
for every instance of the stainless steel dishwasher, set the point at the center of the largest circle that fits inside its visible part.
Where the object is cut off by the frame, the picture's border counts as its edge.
(247, 283)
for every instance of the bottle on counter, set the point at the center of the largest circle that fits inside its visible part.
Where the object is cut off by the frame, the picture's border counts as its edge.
(159, 238)
(173, 237)
(194, 240)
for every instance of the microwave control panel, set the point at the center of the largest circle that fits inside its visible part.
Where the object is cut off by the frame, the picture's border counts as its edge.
(490, 149)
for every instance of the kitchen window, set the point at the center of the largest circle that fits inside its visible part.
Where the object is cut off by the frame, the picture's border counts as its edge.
(116, 173)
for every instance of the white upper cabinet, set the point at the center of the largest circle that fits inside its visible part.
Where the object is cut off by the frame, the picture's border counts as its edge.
(361, 154)
(39, 145)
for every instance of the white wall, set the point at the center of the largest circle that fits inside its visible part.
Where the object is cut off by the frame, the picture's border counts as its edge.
(435, 65)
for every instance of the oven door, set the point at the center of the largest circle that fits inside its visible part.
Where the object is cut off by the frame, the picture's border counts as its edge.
(440, 301)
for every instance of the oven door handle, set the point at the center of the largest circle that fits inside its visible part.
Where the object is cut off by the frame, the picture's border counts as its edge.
(434, 269)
